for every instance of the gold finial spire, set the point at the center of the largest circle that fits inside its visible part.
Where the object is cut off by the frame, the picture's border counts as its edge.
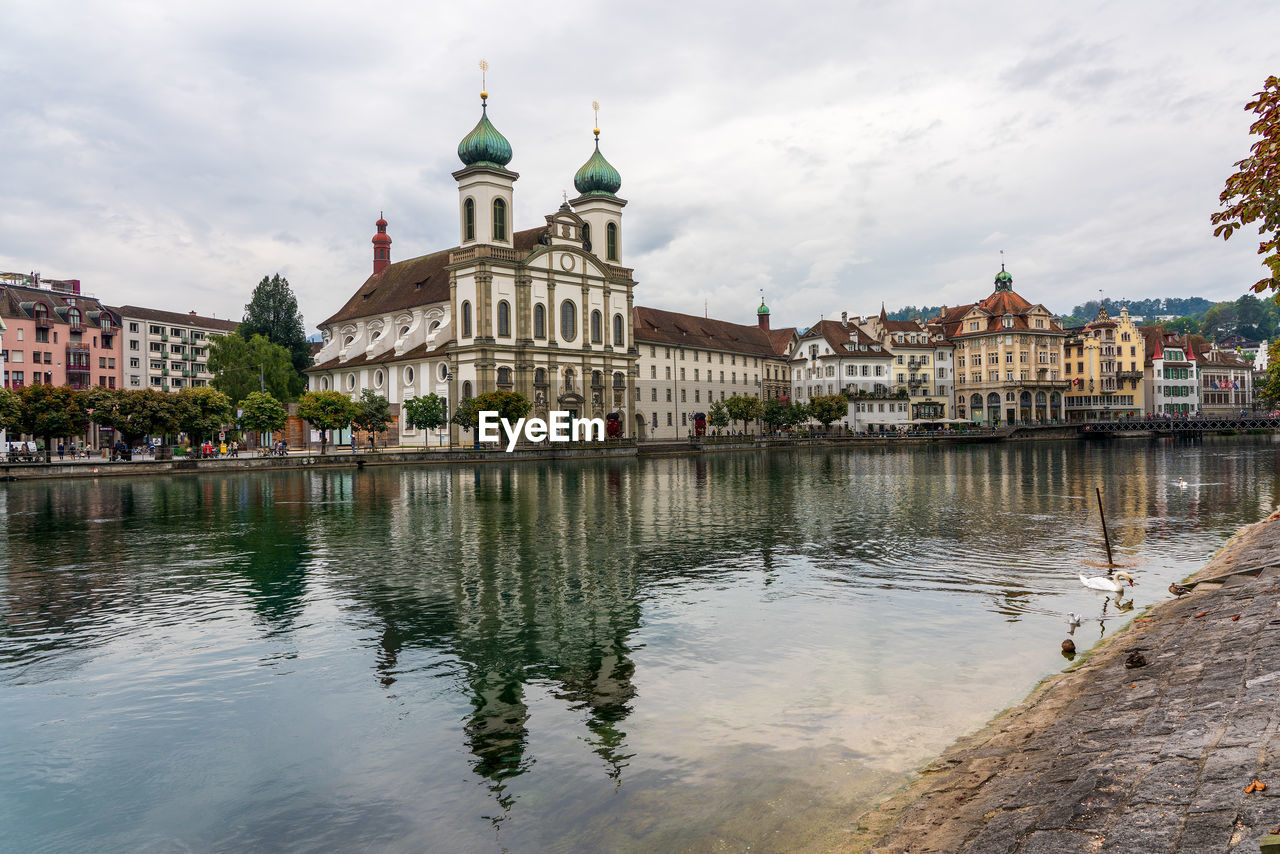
(595, 107)
(484, 68)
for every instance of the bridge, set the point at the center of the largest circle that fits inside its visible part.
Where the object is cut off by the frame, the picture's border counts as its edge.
(1198, 424)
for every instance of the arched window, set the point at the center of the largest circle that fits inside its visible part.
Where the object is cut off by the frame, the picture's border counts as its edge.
(351, 382)
(469, 219)
(504, 376)
(466, 319)
(324, 383)
(570, 379)
(568, 320)
(586, 236)
(408, 375)
(539, 321)
(619, 339)
(377, 379)
(540, 376)
(105, 323)
(596, 332)
(466, 390)
(619, 380)
(41, 313)
(499, 219)
(504, 318)
(73, 317)
(597, 379)
(611, 239)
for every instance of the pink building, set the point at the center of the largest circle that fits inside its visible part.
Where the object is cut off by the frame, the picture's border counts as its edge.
(56, 335)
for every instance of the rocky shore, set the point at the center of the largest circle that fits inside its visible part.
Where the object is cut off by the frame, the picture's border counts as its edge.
(1152, 743)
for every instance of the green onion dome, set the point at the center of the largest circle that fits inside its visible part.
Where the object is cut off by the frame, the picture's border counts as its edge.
(484, 146)
(1004, 281)
(597, 177)
(763, 309)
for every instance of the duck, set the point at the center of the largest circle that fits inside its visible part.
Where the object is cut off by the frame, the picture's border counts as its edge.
(1179, 590)
(1074, 620)
(1109, 583)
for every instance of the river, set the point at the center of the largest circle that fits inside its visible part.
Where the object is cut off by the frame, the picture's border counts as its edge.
(726, 652)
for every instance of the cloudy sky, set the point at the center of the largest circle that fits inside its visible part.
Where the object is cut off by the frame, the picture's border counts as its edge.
(834, 155)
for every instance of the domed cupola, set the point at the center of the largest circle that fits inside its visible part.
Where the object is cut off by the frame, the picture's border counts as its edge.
(484, 146)
(1004, 281)
(597, 177)
(762, 315)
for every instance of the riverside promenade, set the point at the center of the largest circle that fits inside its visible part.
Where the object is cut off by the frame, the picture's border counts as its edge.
(1110, 757)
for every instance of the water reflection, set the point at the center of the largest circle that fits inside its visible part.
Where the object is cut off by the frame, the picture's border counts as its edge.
(659, 614)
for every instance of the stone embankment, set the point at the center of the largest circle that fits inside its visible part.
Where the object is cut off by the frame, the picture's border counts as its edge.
(1109, 756)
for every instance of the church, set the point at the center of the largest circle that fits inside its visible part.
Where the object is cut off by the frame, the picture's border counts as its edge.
(545, 312)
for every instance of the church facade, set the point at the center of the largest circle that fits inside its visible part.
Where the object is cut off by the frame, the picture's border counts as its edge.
(545, 312)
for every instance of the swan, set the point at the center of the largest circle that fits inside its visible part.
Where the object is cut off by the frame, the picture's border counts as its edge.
(1110, 583)
(1074, 619)
(1182, 482)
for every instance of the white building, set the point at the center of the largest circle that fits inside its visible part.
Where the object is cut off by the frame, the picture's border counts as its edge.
(1172, 383)
(923, 363)
(546, 312)
(167, 350)
(837, 357)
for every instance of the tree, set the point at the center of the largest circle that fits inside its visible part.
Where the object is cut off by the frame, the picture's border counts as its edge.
(1183, 325)
(374, 412)
(742, 408)
(1268, 389)
(1252, 194)
(1219, 321)
(49, 411)
(325, 411)
(272, 312)
(262, 413)
(798, 414)
(426, 413)
(828, 408)
(203, 411)
(464, 414)
(242, 366)
(136, 413)
(508, 404)
(718, 414)
(10, 410)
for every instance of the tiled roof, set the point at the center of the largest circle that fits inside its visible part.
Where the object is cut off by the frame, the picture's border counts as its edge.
(18, 301)
(655, 326)
(840, 336)
(175, 317)
(996, 307)
(414, 282)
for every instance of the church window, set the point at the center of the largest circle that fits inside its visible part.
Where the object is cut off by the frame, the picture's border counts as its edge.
(619, 338)
(540, 376)
(499, 219)
(597, 379)
(466, 319)
(469, 219)
(377, 379)
(466, 390)
(597, 332)
(504, 318)
(504, 376)
(618, 380)
(611, 238)
(568, 320)
(539, 321)
(351, 382)
(586, 236)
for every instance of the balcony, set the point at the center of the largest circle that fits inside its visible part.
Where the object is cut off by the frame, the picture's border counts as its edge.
(14, 384)
(164, 372)
(186, 372)
(164, 336)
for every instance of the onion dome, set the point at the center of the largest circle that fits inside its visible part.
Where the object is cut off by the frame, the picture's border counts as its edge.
(763, 309)
(597, 177)
(484, 146)
(1004, 281)
(381, 236)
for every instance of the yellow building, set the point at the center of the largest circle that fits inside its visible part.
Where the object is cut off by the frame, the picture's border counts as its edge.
(1104, 364)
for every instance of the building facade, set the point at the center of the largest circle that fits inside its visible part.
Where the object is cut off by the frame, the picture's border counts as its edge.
(57, 335)
(1104, 363)
(687, 362)
(1171, 378)
(837, 357)
(923, 364)
(1226, 383)
(1008, 359)
(546, 312)
(167, 350)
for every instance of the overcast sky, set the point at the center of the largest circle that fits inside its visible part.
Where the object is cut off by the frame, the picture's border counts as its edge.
(835, 155)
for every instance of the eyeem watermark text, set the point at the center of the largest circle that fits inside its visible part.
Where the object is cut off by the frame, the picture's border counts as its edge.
(562, 427)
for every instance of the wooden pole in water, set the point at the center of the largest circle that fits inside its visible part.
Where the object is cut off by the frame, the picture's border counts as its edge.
(1105, 536)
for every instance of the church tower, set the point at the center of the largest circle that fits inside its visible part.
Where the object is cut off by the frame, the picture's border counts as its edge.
(485, 185)
(381, 247)
(598, 182)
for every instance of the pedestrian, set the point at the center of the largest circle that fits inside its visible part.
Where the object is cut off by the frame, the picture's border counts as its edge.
(235, 449)
(61, 450)
(372, 447)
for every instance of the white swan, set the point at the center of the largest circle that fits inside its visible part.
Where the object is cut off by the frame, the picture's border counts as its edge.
(1110, 583)
(1182, 483)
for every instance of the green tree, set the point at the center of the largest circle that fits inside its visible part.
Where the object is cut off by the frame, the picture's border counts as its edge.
(203, 411)
(262, 413)
(1183, 326)
(1252, 194)
(272, 312)
(508, 404)
(374, 412)
(718, 414)
(828, 408)
(742, 408)
(774, 413)
(144, 412)
(49, 411)
(426, 413)
(10, 410)
(1268, 389)
(1219, 321)
(464, 414)
(241, 367)
(325, 411)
